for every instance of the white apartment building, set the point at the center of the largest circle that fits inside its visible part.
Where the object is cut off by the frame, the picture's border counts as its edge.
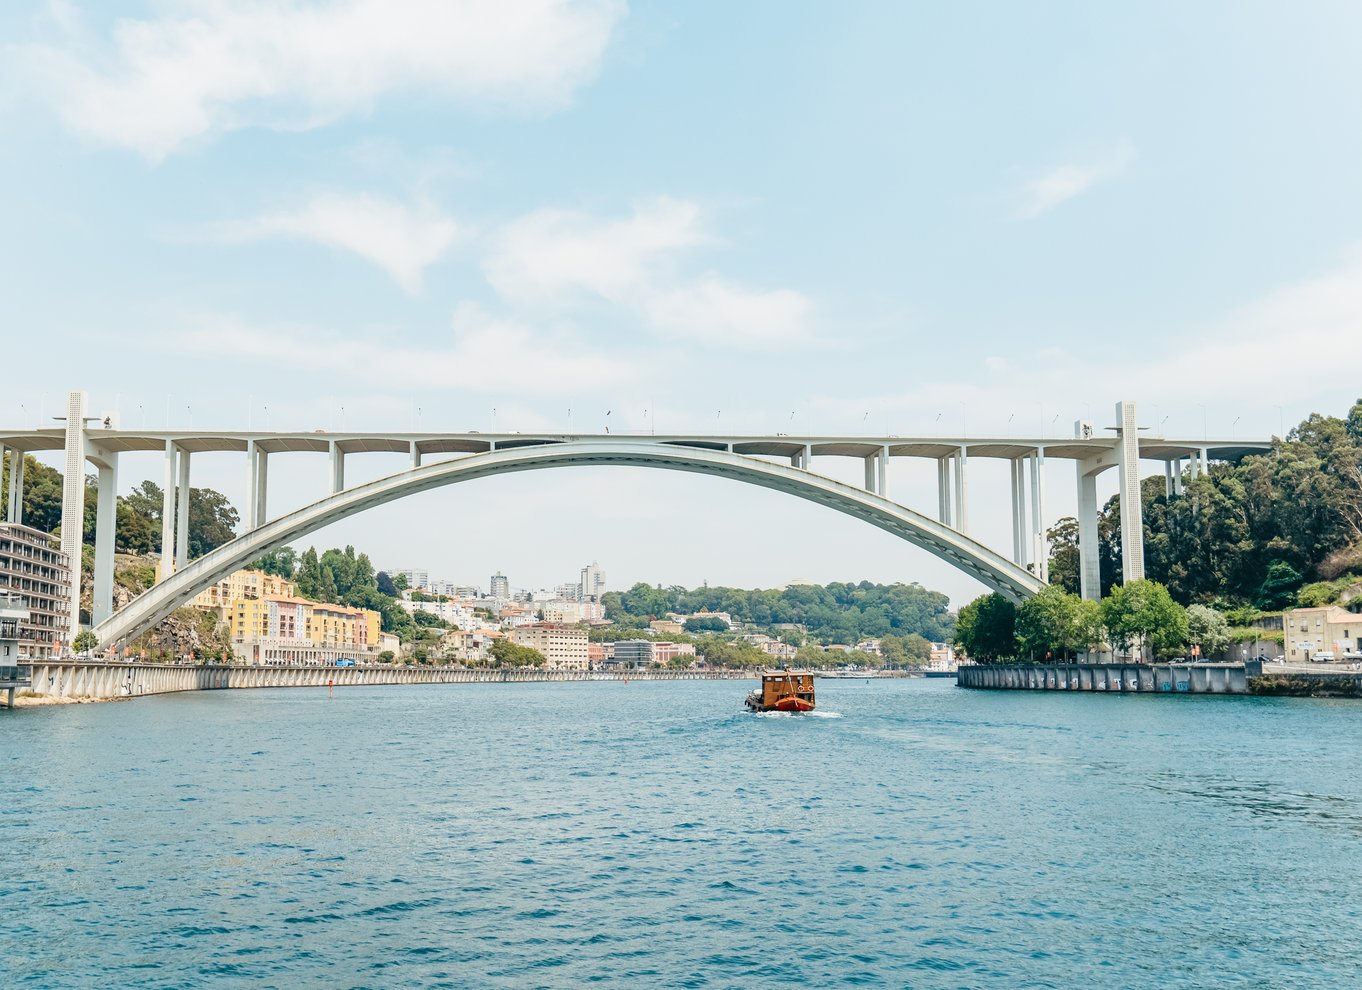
(564, 647)
(592, 584)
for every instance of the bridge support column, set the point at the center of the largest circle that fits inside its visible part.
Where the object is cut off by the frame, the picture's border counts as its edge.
(1168, 479)
(337, 468)
(16, 486)
(415, 455)
(882, 472)
(106, 522)
(1132, 511)
(73, 504)
(1177, 477)
(182, 514)
(1019, 554)
(1089, 560)
(257, 464)
(943, 490)
(1040, 556)
(168, 515)
(870, 475)
(961, 490)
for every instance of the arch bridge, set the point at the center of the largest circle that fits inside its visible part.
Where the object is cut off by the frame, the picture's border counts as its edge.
(778, 462)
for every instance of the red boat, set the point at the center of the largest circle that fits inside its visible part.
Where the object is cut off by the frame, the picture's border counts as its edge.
(783, 691)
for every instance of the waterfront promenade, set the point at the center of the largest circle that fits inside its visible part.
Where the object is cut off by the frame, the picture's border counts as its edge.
(1252, 677)
(96, 680)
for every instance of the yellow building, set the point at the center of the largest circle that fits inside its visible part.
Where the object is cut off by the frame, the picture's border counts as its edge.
(281, 629)
(564, 647)
(1325, 630)
(239, 585)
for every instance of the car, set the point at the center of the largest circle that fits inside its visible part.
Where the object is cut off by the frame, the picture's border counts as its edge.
(1324, 656)
(345, 662)
(1352, 655)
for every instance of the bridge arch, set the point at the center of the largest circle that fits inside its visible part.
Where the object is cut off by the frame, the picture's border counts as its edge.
(970, 556)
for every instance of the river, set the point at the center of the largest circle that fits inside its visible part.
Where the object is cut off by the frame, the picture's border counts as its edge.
(910, 834)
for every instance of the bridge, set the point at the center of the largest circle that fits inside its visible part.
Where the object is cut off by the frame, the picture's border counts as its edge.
(778, 462)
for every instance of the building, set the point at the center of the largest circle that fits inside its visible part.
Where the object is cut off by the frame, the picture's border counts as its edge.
(599, 654)
(499, 587)
(632, 654)
(389, 643)
(456, 613)
(667, 627)
(278, 629)
(34, 569)
(239, 585)
(1328, 629)
(663, 653)
(13, 615)
(592, 584)
(564, 647)
(416, 578)
(723, 617)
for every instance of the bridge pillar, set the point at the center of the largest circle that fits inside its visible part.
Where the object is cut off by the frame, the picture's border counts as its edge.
(1177, 476)
(73, 504)
(1089, 560)
(1132, 511)
(16, 487)
(943, 490)
(882, 473)
(1039, 555)
(337, 468)
(1168, 479)
(870, 475)
(168, 515)
(106, 523)
(257, 465)
(182, 513)
(415, 455)
(961, 492)
(1018, 512)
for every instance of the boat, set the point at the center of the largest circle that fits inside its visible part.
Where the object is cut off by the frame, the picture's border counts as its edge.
(783, 691)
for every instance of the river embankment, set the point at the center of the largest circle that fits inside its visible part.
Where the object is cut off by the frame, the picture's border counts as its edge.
(1253, 677)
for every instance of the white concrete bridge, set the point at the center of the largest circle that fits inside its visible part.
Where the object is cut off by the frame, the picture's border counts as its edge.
(783, 463)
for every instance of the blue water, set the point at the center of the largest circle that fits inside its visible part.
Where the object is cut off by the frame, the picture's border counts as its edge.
(650, 834)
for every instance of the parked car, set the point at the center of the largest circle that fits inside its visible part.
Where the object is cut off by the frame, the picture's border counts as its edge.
(345, 662)
(1324, 656)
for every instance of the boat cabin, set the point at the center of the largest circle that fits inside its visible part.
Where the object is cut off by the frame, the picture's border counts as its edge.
(783, 691)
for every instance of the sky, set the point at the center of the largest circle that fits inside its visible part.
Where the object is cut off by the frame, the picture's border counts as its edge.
(908, 219)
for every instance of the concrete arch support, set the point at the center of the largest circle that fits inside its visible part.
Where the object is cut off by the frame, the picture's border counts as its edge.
(970, 556)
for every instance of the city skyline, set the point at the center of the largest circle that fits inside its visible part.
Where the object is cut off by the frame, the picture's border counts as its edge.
(961, 235)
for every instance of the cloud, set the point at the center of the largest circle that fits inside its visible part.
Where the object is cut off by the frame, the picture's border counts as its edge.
(400, 239)
(211, 67)
(558, 258)
(484, 354)
(551, 253)
(1064, 183)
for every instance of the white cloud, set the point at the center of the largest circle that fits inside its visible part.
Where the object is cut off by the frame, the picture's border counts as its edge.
(484, 354)
(555, 258)
(208, 67)
(1045, 192)
(716, 310)
(551, 253)
(400, 239)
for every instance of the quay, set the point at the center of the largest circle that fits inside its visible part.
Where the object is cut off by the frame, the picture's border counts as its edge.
(106, 680)
(1251, 677)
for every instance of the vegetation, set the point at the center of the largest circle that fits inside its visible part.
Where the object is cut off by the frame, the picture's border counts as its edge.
(838, 613)
(85, 642)
(504, 653)
(1271, 531)
(1055, 624)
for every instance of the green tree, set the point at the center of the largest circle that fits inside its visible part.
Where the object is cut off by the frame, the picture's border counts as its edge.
(1207, 629)
(85, 641)
(705, 623)
(504, 653)
(986, 628)
(1143, 615)
(1279, 586)
(308, 580)
(281, 561)
(1047, 626)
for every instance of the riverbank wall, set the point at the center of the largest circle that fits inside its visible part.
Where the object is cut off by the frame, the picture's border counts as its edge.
(72, 679)
(1134, 678)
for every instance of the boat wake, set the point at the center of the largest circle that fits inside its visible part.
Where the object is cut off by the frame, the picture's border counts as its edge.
(813, 714)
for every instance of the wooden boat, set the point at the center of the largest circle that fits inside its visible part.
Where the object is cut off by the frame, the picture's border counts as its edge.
(783, 691)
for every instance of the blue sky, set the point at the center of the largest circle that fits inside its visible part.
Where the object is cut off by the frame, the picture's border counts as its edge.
(696, 216)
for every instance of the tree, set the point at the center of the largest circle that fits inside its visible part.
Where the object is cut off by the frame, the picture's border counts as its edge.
(281, 561)
(504, 653)
(1047, 626)
(705, 623)
(386, 656)
(1279, 586)
(309, 577)
(1207, 629)
(985, 628)
(385, 584)
(1143, 614)
(85, 641)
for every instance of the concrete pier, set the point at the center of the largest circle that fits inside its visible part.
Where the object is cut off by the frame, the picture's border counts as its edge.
(1162, 678)
(72, 679)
